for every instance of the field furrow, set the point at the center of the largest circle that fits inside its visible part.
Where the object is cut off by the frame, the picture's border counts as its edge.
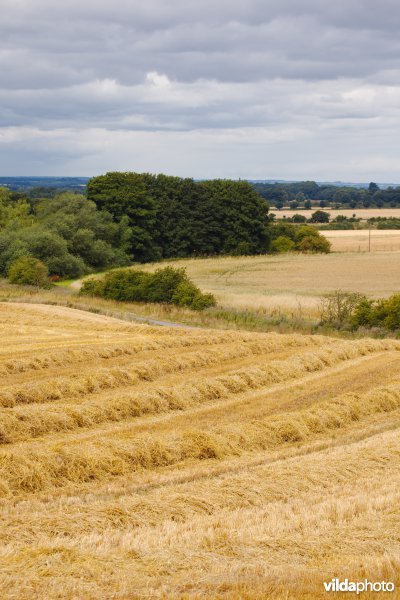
(144, 462)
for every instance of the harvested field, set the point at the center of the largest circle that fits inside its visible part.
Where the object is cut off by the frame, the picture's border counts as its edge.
(380, 240)
(145, 462)
(360, 213)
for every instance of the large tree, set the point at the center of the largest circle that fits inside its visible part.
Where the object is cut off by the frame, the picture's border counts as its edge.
(171, 216)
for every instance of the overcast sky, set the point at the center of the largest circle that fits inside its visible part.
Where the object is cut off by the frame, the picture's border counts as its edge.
(289, 89)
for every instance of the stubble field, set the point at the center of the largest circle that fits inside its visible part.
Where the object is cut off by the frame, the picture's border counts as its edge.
(144, 462)
(378, 240)
(360, 213)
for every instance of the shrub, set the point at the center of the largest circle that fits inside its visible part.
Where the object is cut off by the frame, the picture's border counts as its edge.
(163, 284)
(299, 218)
(338, 307)
(168, 285)
(282, 244)
(283, 233)
(378, 313)
(305, 231)
(284, 229)
(29, 271)
(188, 294)
(314, 243)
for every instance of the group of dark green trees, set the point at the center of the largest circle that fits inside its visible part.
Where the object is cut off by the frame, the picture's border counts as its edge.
(132, 217)
(175, 217)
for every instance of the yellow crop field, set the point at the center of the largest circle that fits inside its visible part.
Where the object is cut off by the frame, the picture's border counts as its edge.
(291, 283)
(360, 213)
(378, 240)
(151, 462)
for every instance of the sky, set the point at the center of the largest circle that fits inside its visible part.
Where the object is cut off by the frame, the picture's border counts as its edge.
(261, 89)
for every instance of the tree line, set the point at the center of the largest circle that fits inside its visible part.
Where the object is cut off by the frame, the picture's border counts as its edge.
(176, 217)
(305, 194)
(132, 217)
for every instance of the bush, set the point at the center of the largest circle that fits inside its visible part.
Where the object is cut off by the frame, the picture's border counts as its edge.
(168, 285)
(29, 271)
(378, 313)
(304, 238)
(314, 243)
(187, 294)
(282, 244)
(338, 307)
(305, 231)
(299, 218)
(163, 283)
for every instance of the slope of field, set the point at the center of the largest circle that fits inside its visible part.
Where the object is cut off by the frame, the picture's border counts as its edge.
(291, 282)
(144, 462)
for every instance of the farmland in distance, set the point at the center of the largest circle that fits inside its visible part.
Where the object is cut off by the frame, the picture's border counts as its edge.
(362, 240)
(144, 462)
(360, 213)
(291, 282)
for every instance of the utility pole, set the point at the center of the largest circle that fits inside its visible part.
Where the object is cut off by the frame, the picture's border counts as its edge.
(369, 237)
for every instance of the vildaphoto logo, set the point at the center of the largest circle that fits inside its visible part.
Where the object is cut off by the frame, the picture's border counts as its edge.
(358, 587)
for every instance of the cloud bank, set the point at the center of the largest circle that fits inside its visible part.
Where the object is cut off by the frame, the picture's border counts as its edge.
(262, 89)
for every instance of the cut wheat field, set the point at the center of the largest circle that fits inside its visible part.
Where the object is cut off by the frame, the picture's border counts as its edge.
(145, 462)
(360, 213)
(361, 240)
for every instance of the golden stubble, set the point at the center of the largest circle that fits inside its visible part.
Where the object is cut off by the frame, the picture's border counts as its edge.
(148, 462)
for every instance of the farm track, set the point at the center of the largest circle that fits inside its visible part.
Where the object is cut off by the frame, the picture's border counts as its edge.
(144, 462)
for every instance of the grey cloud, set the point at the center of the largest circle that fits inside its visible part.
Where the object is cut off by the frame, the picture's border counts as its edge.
(234, 41)
(293, 73)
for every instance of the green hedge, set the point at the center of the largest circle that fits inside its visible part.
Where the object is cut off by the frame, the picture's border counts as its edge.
(168, 285)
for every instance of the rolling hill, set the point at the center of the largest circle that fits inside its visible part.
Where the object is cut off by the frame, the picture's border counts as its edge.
(151, 462)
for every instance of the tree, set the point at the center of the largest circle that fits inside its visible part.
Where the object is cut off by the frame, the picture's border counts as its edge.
(373, 187)
(171, 216)
(29, 271)
(130, 195)
(320, 216)
(14, 212)
(300, 198)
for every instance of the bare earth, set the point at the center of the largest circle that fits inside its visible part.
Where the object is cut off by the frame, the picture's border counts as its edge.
(141, 462)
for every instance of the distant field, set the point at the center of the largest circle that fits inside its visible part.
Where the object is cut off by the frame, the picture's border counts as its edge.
(382, 240)
(361, 213)
(140, 463)
(292, 282)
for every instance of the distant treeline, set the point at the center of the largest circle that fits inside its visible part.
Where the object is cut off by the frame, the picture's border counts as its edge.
(304, 194)
(44, 186)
